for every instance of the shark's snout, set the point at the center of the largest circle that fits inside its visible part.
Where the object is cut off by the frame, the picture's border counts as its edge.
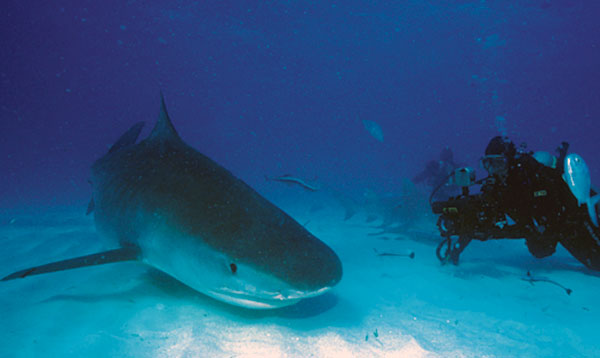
(328, 269)
(311, 266)
(298, 274)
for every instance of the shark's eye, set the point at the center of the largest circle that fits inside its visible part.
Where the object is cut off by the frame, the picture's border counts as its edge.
(233, 268)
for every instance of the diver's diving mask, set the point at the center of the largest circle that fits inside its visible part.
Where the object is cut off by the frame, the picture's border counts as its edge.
(495, 164)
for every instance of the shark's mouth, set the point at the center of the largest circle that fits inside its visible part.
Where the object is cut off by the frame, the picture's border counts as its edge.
(264, 300)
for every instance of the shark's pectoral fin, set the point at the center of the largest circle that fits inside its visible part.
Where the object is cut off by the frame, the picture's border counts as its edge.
(592, 209)
(106, 257)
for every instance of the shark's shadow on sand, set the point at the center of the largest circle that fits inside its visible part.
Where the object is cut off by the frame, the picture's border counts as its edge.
(152, 283)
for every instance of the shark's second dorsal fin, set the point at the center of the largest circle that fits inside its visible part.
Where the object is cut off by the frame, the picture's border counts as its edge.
(163, 130)
(128, 138)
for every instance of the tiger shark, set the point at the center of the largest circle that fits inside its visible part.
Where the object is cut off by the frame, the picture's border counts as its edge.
(167, 205)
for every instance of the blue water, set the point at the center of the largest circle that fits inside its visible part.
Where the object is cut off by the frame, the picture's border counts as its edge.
(272, 88)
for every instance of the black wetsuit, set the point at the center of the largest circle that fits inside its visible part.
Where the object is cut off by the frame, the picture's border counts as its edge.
(540, 203)
(532, 197)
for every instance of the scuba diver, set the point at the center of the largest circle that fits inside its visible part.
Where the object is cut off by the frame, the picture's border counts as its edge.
(437, 173)
(529, 192)
(535, 196)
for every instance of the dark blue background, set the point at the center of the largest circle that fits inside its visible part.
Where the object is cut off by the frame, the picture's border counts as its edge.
(268, 88)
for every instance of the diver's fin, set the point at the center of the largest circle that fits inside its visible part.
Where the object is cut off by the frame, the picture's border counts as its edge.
(128, 138)
(90, 207)
(106, 257)
(592, 209)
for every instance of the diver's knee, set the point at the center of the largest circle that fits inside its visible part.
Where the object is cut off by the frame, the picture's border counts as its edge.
(539, 248)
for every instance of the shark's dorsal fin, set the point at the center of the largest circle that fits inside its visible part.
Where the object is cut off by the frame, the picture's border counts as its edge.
(163, 130)
(128, 138)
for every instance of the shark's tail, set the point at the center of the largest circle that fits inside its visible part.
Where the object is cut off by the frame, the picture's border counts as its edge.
(106, 257)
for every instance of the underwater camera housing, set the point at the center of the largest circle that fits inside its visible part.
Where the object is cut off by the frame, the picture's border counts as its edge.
(467, 216)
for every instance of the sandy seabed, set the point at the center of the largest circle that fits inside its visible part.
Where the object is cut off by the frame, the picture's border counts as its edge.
(385, 306)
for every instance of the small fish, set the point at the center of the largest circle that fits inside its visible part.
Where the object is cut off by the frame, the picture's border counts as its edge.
(577, 176)
(531, 279)
(374, 129)
(288, 179)
(376, 335)
(411, 254)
